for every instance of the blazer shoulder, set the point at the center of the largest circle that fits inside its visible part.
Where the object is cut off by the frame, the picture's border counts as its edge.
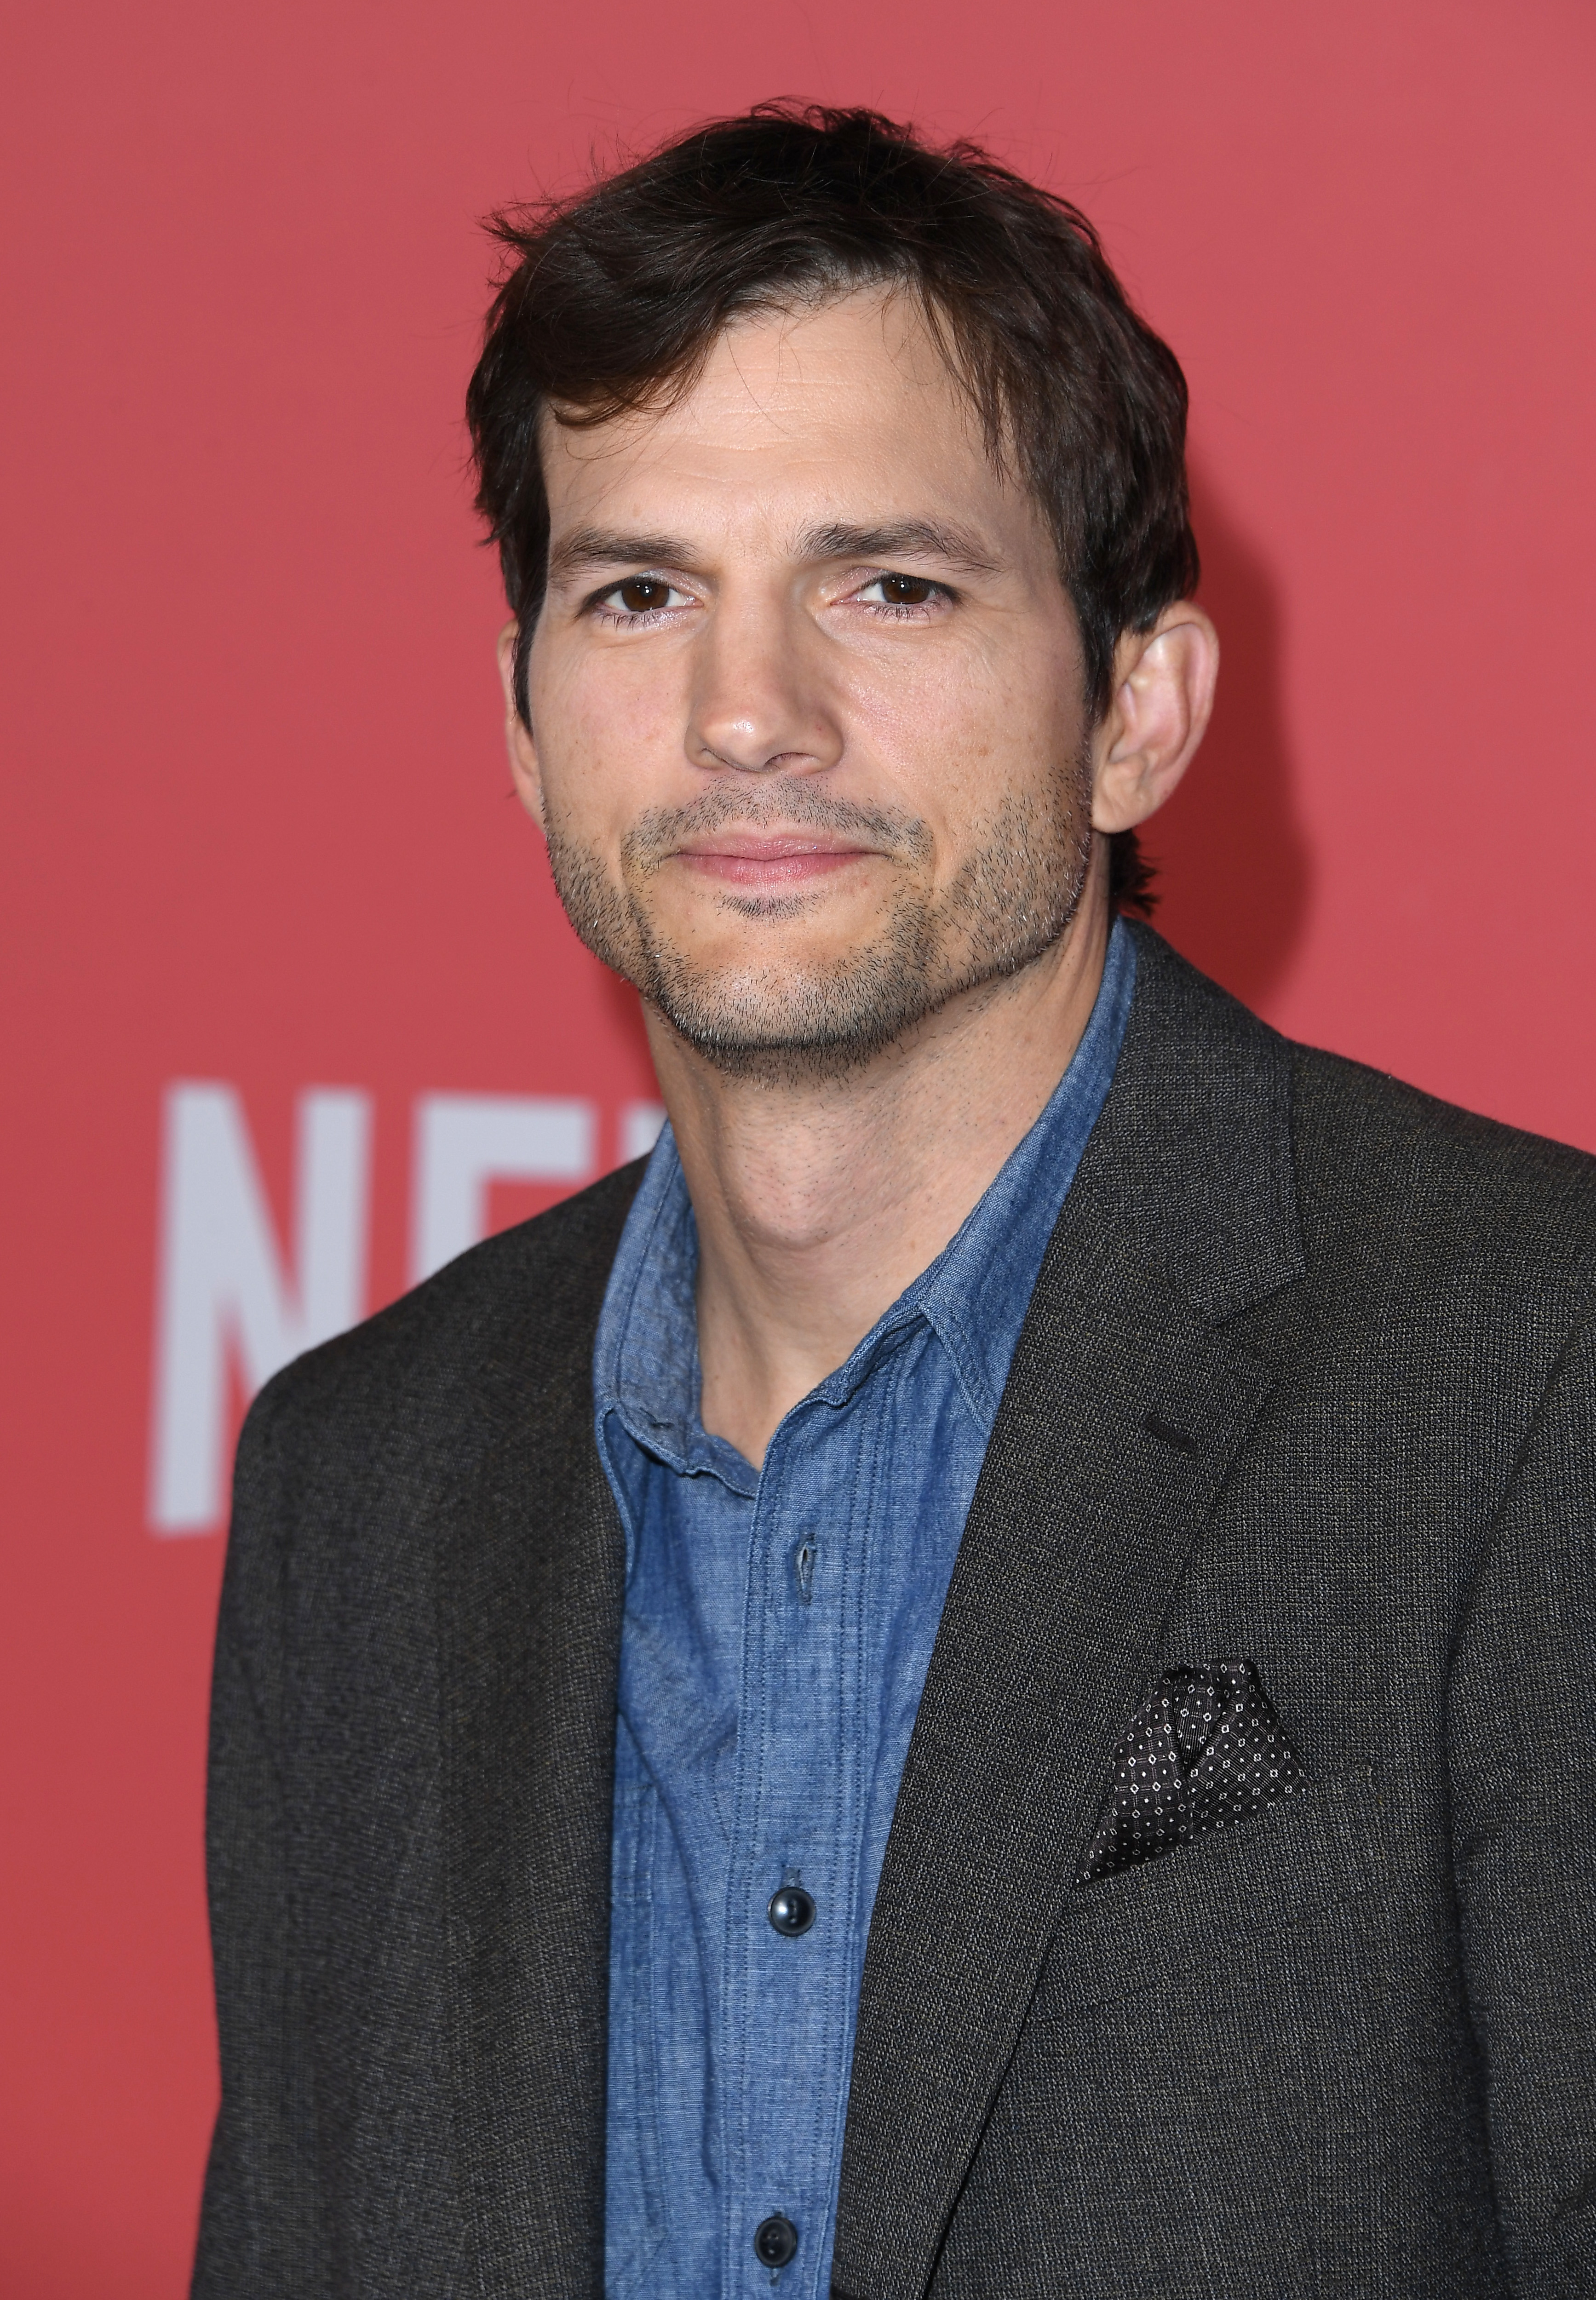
(1390, 1190)
(521, 1309)
(1374, 1152)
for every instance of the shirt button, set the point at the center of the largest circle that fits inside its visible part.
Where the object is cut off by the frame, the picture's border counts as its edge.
(791, 1912)
(775, 2241)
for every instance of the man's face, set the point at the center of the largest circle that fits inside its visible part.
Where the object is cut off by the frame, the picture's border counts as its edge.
(805, 697)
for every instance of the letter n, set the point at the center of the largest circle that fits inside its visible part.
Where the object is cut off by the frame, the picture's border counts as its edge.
(225, 1295)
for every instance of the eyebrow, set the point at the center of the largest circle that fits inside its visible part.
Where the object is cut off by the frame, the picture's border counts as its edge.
(588, 547)
(601, 546)
(906, 538)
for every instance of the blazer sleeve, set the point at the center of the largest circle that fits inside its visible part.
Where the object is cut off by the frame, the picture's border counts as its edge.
(1522, 1729)
(261, 2221)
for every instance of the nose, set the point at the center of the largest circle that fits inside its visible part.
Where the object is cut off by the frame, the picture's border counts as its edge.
(759, 704)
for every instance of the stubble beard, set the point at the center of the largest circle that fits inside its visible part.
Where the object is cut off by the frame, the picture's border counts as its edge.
(1010, 901)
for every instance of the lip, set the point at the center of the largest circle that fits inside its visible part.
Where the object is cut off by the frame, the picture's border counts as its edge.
(785, 859)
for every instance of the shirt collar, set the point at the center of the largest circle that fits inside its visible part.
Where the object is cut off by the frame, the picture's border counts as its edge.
(646, 1360)
(974, 1296)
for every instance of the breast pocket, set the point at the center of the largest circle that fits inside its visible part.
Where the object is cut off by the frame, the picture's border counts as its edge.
(1332, 1842)
(1229, 2065)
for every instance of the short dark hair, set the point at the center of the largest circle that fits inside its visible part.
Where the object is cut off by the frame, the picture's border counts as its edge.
(613, 299)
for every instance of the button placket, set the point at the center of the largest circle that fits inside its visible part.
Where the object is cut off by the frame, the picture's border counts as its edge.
(790, 1813)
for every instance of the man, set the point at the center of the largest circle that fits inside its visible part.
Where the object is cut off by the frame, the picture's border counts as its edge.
(977, 1680)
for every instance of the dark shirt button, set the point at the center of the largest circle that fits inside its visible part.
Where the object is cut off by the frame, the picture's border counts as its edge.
(775, 2240)
(791, 1912)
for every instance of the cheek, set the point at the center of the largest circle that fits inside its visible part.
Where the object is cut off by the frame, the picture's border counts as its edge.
(964, 735)
(606, 734)
(921, 720)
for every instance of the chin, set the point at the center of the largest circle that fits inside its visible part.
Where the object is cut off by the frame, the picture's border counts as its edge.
(777, 965)
(784, 997)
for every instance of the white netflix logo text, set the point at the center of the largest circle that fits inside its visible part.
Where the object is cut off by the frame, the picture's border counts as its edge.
(228, 1293)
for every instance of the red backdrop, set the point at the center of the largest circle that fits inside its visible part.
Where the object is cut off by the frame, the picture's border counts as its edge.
(257, 830)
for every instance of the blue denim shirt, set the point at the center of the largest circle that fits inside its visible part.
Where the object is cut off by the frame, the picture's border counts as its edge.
(778, 1625)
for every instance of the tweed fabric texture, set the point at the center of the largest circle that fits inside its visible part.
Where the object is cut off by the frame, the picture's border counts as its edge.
(1309, 1376)
(1205, 1751)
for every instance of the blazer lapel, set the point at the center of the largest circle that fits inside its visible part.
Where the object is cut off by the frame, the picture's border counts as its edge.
(533, 1577)
(1124, 1406)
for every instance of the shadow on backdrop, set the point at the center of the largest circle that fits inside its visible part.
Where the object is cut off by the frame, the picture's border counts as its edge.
(1234, 873)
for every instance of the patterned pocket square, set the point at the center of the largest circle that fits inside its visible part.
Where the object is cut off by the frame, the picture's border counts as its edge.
(1205, 1751)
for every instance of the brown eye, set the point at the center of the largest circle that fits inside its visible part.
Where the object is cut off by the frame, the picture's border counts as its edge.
(642, 595)
(907, 590)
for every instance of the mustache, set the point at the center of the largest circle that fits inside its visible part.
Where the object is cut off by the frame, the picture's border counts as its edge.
(788, 803)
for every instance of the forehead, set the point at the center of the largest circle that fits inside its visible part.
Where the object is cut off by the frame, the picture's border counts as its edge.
(848, 407)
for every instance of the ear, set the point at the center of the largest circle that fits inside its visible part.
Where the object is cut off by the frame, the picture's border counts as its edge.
(518, 735)
(1163, 695)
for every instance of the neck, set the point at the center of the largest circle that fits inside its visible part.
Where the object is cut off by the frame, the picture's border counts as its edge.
(817, 1203)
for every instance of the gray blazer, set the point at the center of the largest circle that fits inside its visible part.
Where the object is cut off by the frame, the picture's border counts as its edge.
(1309, 1376)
